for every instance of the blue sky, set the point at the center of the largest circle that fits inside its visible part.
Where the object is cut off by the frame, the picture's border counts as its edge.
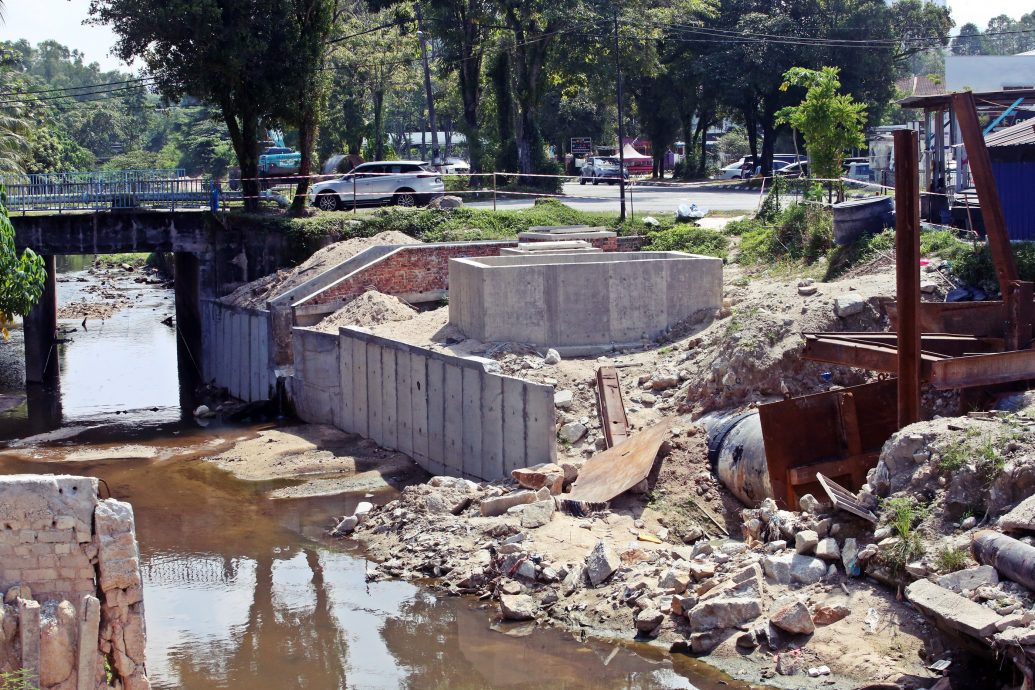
(61, 20)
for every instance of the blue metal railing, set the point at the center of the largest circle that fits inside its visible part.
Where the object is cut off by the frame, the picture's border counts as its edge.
(105, 190)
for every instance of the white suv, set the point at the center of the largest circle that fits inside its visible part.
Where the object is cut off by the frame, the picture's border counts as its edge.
(403, 183)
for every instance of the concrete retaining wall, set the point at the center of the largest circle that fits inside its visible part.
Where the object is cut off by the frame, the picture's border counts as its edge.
(236, 350)
(449, 414)
(580, 303)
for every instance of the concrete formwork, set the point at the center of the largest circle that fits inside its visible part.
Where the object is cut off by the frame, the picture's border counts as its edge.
(236, 350)
(580, 303)
(452, 415)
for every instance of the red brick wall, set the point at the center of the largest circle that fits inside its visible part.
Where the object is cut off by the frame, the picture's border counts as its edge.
(426, 269)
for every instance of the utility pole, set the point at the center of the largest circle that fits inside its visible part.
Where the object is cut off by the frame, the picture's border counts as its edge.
(621, 126)
(427, 85)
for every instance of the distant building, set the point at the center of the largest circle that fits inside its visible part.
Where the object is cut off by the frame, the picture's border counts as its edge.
(988, 73)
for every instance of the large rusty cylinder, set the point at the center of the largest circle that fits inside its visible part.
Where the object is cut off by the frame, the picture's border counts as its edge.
(1013, 559)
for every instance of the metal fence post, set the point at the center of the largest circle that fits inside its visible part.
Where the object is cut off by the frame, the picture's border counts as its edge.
(494, 191)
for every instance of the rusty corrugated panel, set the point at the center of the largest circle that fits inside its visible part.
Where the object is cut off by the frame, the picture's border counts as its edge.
(618, 469)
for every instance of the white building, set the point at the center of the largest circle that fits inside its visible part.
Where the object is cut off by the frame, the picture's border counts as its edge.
(984, 73)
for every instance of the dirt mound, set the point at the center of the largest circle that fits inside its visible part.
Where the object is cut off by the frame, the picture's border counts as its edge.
(369, 309)
(256, 293)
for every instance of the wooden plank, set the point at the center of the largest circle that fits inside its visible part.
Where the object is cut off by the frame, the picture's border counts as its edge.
(983, 370)
(988, 194)
(375, 410)
(436, 415)
(453, 407)
(472, 422)
(613, 420)
(390, 412)
(492, 427)
(361, 416)
(616, 470)
(843, 499)
(419, 420)
(514, 438)
(403, 402)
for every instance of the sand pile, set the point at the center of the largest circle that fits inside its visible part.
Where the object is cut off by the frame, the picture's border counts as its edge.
(256, 293)
(369, 309)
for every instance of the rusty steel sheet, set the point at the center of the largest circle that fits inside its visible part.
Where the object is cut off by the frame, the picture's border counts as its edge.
(983, 370)
(1019, 310)
(837, 433)
(981, 319)
(616, 470)
(947, 344)
(863, 354)
(612, 410)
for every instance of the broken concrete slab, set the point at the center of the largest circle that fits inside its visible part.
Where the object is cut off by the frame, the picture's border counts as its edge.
(785, 568)
(724, 613)
(1021, 518)
(498, 505)
(969, 578)
(537, 514)
(828, 550)
(805, 541)
(952, 610)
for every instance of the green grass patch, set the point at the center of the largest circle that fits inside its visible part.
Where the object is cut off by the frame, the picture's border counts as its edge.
(949, 559)
(799, 234)
(691, 239)
(903, 514)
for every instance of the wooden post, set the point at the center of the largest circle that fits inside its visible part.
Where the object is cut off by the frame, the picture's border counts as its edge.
(988, 195)
(907, 274)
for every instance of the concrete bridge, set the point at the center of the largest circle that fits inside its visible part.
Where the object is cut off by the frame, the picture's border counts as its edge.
(213, 254)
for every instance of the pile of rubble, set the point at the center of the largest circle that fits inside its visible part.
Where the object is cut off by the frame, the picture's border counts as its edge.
(764, 608)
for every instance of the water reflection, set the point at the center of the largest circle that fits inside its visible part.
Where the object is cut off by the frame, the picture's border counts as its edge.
(242, 594)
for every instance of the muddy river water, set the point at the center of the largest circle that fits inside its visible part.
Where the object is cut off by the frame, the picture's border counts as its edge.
(246, 593)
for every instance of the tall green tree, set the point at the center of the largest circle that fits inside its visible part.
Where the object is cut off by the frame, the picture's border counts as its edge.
(233, 54)
(831, 122)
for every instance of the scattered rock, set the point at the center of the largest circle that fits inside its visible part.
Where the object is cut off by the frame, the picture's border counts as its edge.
(542, 475)
(788, 664)
(806, 541)
(571, 432)
(552, 357)
(793, 618)
(537, 514)
(848, 305)
(648, 619)
(809, 504)
(1021, 518)
(563, 400)
(517, 607)
(674, 581)
(828, 614)
(601, 562)
(724, 613)
(828, 550)
(345, 526)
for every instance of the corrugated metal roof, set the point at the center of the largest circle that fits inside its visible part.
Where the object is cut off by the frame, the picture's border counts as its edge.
(1020, 134)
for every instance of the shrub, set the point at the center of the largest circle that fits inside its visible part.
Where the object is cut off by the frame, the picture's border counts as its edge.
(690, 239)
(801, 232)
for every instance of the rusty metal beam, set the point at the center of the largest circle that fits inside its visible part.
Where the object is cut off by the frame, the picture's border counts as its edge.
(988, 195)
(948, 344)
(983, 370)
(907, 273)
(1019, 311)
(861, 354)
(612, 410)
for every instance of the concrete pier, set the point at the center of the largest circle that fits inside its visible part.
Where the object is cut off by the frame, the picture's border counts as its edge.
(41, 361)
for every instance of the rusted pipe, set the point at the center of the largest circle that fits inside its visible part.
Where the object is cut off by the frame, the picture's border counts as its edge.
(907, 274)
(736, 450)
(1013, 559)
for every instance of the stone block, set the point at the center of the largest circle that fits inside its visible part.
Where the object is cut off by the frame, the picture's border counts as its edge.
(724, 613)
(953, 610)
(1021, 518)
(498, 505)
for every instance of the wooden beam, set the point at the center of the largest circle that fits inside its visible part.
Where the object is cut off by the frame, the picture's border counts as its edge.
(988, 194)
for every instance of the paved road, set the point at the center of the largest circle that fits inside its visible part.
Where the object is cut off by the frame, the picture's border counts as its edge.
(645, 199)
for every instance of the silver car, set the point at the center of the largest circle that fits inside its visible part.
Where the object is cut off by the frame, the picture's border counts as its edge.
(403, 183)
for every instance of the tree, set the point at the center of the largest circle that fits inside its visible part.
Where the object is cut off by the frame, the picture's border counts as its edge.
(830, 122)
(234, 54)
(22, 277)
(969, 41)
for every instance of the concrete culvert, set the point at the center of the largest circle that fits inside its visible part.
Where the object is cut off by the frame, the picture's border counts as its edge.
(736, 451)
